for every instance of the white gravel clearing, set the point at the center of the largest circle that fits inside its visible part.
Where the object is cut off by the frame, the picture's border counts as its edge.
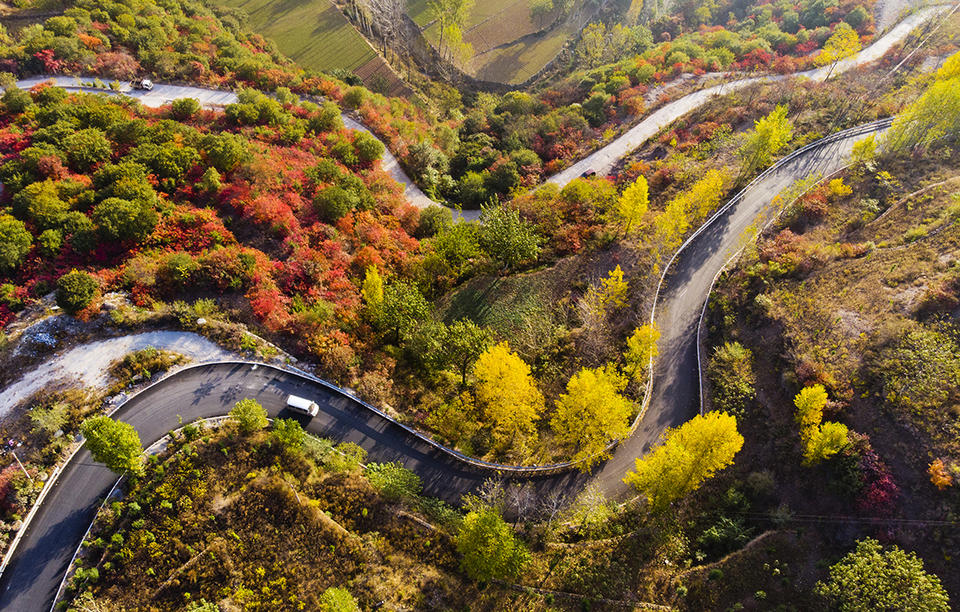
(86, 365)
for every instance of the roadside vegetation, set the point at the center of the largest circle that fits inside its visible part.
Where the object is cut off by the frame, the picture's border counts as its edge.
(851, 300)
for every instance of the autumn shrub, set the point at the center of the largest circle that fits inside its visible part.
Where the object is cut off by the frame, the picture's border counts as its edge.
(730, 370)
(75, 291)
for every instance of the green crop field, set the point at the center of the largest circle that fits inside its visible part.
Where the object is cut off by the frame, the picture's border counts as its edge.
(314, 33)
(499, 32)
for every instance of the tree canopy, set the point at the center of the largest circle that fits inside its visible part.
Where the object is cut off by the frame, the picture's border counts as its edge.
(113, 443)
(488, 548)
(873, 577)
(592, 413)
(508, 396)
(688, 455)
(250, 415)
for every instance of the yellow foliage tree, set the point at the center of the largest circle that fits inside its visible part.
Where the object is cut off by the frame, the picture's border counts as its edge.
(940, 475)
(633, 204)
(689, 455)
(768, 136)
(600, 297)
(950, 68)
(669, 227)
(702, 197)
(826, 441)
(641, 347)
(864, 150)
(820, 440)
(810, 403)
(614, 289)
(508, 396)
(839, 189)
(592, 413)
(843, 43)
(372, 288)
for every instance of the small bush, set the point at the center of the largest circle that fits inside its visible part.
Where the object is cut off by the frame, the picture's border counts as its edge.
(75, 291)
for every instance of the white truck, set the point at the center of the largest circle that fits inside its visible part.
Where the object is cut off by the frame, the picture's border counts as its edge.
(302, 404)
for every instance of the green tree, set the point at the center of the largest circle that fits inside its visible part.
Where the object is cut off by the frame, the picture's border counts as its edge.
(463, 342)
(401, 307)
(730, 371)
(876, 578)
(122, 220)
(393, 481)
(488, 548)
(633, 204)
(75, 291)
(688, 455)
(210, 181)
(333, 202)
(15, 242)
(288, 434)
(113, 443)
(506, 237)
(182, 109)
(224, 151)
(592, 413)
(249, 415)
(508, 396)
(641, 348)
(338, 599)
(368, 148)
(86, 148)
(769, 135)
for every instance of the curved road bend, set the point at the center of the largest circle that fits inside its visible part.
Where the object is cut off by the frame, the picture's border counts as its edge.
(164, 93)
(600, 161)
(34, 574)
(603, 160)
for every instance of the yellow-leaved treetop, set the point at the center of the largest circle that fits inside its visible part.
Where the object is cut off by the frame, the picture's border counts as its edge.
(592, 413)
(820, 440)
(689, 455)
(843, 43)
(810, 403)
(508, 397)
(372, 288)
(633, 204)
(669, 227)
(641, 348)
(702, 197)
(768, 136)
(613, 289)
(934, 115)
(610, 292)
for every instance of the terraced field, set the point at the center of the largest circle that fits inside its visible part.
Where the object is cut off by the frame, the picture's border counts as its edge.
(509, 45)
(314, 33)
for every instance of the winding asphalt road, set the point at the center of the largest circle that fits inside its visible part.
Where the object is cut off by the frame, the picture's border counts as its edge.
(34, 574)
(30, 581)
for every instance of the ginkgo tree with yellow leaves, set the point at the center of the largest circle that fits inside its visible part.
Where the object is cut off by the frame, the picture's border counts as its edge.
(820, 440)
(508, 397)
(632, 205)
(688, 456)
(592, 413)
(843, 43)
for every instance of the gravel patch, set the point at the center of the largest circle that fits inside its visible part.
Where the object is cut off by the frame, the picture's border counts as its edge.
(86, 365)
